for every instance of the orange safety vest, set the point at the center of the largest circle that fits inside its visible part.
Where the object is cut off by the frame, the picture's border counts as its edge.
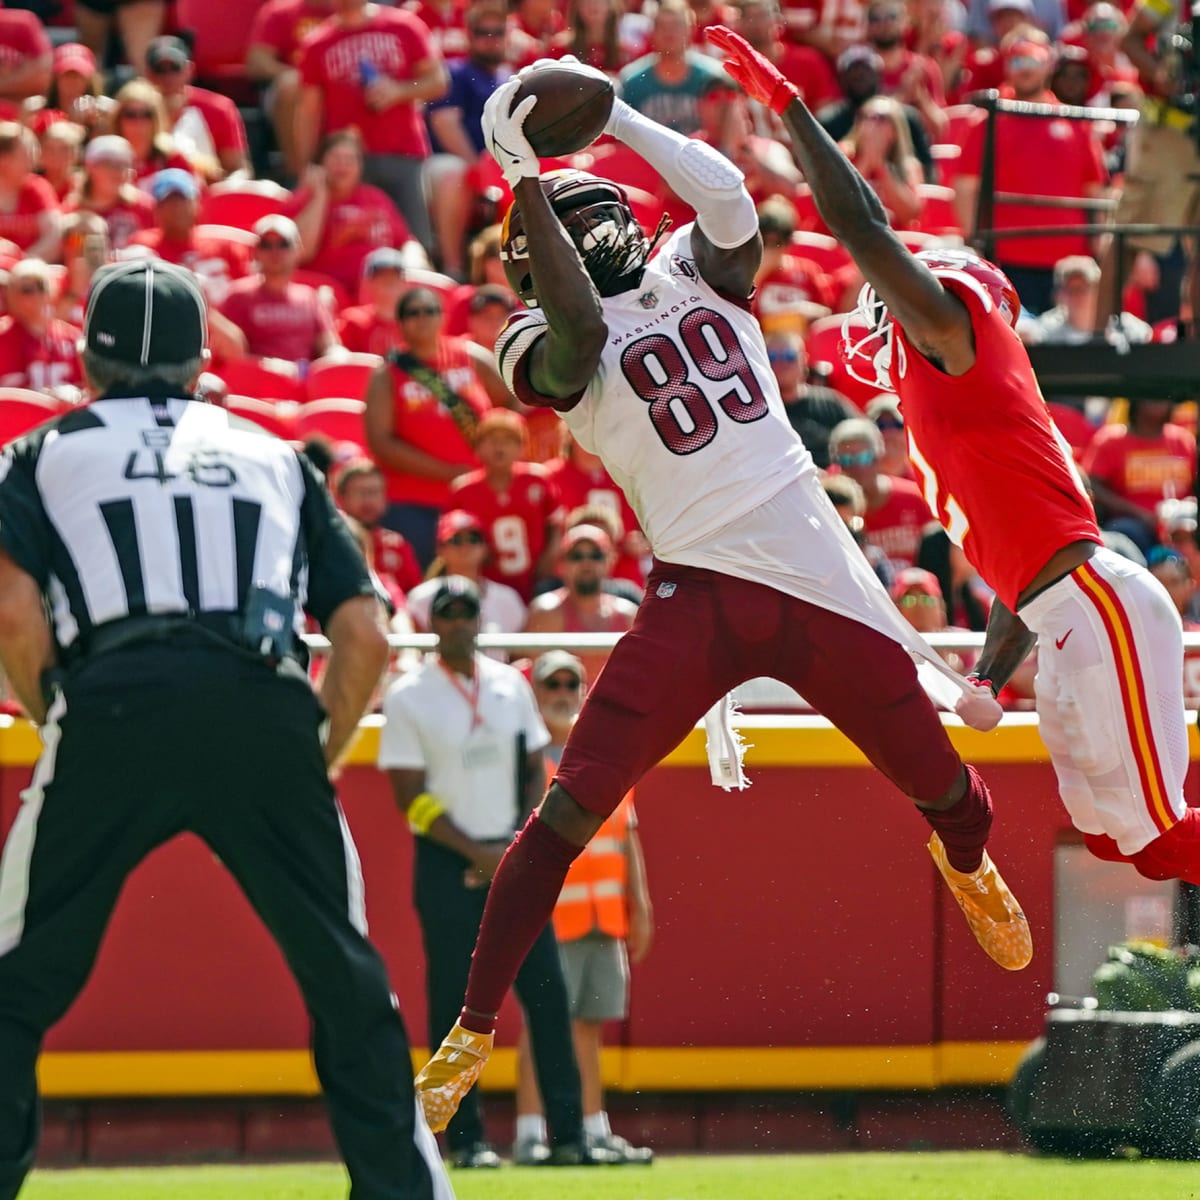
(593, 895)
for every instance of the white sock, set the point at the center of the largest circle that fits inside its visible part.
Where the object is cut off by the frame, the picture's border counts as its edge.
(596, 1124)
(531, 1128)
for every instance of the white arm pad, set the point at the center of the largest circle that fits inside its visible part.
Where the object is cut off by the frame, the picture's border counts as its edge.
(695, 172)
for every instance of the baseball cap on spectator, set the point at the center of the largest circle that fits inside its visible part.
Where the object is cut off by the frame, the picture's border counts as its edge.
(145, 311)
(174, 181)
(457, 520)
(455, 590)
(916, 579)
(109, 148)
(884, 410)
(74, 56)
(586, 533)
(557, 660)
(1025, 48)
(1021, 6)
(278, 224)
(383, 259)
(1103, 16)
(169, 52)
(861, 56)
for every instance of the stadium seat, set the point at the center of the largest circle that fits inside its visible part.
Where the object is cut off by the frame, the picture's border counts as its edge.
(274, 418)
(337, 418)
(231, 233)
(248, 377)
(915, 239)
(22, 410)
(335, 378)
(241, 203)
(945, 160)
(960, 119)
(938, 215)
(826, 251)
(806, 211)
(823, 341)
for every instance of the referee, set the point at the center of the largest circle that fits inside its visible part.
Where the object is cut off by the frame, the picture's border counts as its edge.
(156, 560)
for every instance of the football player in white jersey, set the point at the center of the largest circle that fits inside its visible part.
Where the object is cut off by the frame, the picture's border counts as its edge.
(657, 367)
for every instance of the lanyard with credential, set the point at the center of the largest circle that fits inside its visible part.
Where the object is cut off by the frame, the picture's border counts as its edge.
(470, 695)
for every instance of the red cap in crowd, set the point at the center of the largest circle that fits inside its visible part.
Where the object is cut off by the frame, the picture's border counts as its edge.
(457, 520)
(74, 56)
(586, 533)
(915, 579)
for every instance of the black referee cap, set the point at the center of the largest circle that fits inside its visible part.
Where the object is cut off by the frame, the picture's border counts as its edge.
(145, 312)
(455, 590)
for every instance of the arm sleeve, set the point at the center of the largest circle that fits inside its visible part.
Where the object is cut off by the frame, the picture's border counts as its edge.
(24, 526)
(695, 172)
(337, 571)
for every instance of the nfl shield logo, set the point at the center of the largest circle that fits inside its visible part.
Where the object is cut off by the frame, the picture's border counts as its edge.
(648, 299)
(665, 591)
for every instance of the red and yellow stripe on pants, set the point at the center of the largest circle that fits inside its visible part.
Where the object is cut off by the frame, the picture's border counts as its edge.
(1101, 595)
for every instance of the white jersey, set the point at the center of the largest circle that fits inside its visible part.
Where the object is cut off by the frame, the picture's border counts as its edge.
(683, 409)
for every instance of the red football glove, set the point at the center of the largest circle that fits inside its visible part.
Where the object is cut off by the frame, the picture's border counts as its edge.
(751, 71)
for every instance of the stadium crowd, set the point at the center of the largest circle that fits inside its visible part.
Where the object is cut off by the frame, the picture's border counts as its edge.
(326, 182)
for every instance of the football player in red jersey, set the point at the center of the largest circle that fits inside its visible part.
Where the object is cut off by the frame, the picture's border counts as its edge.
(1002, 482)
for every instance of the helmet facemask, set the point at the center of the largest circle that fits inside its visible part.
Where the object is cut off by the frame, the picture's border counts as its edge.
(868, 341)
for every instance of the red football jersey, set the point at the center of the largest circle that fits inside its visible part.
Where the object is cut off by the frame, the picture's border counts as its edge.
(40, 363)
(290, 324)
(517, 522)
(284, 24)
(21, 225)
(215, 260)
(395, 560)
(993, 469)
(363, 331)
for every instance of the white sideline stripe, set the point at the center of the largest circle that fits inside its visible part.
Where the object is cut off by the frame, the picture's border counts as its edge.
(355, 889)
(428, 1148)
(18, 849)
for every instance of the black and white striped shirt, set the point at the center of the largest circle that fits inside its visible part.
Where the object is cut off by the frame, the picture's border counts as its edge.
(140, 506)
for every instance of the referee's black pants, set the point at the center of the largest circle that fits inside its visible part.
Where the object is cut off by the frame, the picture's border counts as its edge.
(450, 914)
(148, 742)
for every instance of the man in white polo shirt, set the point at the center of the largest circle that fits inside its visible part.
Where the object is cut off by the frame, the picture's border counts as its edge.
(463, 747)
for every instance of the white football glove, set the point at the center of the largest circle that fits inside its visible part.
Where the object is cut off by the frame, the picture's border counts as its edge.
(504, 133)
(978, 708)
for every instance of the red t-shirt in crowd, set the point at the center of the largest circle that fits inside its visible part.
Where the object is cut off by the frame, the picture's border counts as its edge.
(354, 226)
(283, 324)
(447, 25)
(152, 166)
(284, 24)
(363, 331)
(987, 457)
(40, 363)
(1074, 426)
(891, 80)
(127, 217)
(898, 524)
(216, 260)
(395, 560)
(577, 488)
(811, 72)
(1143, 470)
(426, 424)
(796, 282)
(220, 114)
(394, 43)
(34, 197)
(516, 522)
(1053, 157)
(525, 45)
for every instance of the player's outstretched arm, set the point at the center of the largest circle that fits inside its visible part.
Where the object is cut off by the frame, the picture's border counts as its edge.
(934, 320)
(563, 360)
(1006, 645)
(725, 237)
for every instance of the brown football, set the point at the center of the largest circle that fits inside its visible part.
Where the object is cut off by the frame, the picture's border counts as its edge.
(572, 109)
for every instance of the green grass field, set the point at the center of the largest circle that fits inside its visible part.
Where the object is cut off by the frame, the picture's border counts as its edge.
(878, 1176)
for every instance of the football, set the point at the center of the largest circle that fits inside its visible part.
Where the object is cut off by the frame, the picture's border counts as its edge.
(572, 108)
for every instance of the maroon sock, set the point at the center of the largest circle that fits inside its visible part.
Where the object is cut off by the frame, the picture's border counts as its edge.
(964, 826)
(520, 901)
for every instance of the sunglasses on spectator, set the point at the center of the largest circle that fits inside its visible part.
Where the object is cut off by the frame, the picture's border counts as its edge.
(488, 33)
(917, 600)
(577, 556)
(882, 423)
(1025, 62)
(877, 18)
(465, 539)
(458, 612)
(864, 458)
(787, 356)
(137, 114)
(1104, 25)
(29, 287)
(420, 312)
(167, 68)
(570, 684)
(274, 244)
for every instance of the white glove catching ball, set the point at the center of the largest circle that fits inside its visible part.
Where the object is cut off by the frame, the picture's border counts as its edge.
(504, 133)
(978, 708)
